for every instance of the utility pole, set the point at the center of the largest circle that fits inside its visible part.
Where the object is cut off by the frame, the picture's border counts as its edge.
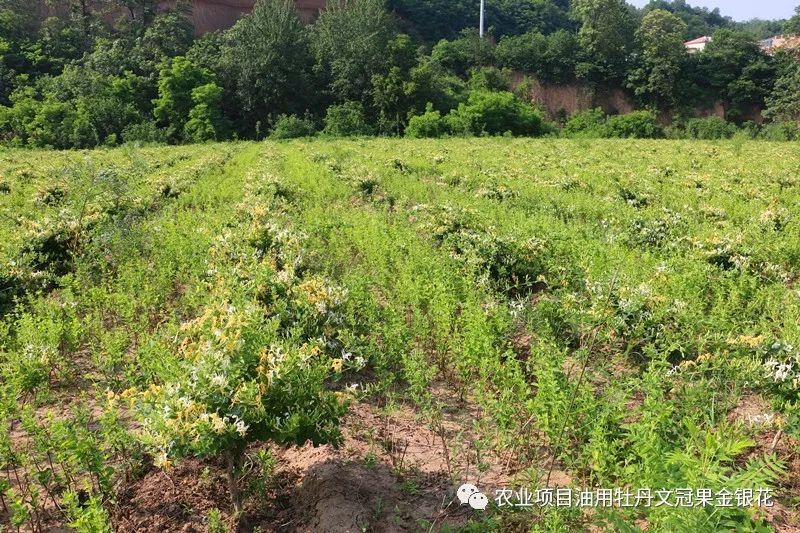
(481, 22)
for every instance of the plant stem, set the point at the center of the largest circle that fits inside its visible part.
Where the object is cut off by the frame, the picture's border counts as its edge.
(231, 460)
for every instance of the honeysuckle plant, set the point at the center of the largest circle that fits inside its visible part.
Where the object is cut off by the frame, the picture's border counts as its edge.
(238, 384)
(249, 370)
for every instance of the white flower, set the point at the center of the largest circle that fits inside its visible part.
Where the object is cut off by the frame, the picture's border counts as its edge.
(218, 380)
(161, 460)
(678, 305)
(241, 427)
(284, 276)
(778, 371)
(346, 355)
(353, 387)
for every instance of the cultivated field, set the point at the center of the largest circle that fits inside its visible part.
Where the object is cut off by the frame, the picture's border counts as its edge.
(509, 313)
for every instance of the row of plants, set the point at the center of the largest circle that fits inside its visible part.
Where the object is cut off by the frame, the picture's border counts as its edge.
(604, 317)
(594, 123)
(81, 327)
(493, 113)
(643, 326)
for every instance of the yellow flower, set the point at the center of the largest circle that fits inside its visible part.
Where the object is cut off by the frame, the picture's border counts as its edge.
(129, 393)
(217, 423)
(750, 341)
(336, 365)
(162, 461)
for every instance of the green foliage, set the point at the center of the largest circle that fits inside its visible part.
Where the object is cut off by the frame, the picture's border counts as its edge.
(660, 37)
(206, 122)
(783, 104)
(349, 42)
(619, 311)
(495, 113)
(345, 120)
(86, 517)
(593, 123)
(437, 19)
(463, 54)
(489, 79)
(634, 125)
(145, 132)
(177, 82)
(551, 58)
(587, 123)
(433, 83)
(428, 125)
(735, 69)
(395, 93)
(292, 127)
(781, 131)
(708, 128)
(699, 20)
(793, 24)
(605, 38)
(266, 62)
(78, 81)
(444, 19)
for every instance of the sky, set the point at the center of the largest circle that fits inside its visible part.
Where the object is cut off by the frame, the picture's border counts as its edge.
(744, 9)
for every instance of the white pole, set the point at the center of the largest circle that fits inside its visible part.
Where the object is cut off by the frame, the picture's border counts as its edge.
(481, 23)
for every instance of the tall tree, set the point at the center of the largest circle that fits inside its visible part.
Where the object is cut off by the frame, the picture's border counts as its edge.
(463, 54)
(783, 104)
(17, 25)
(699, 20)
(176, 82)
(393, 91)
(267, 62)
(793, 24)
(606, 39)
(350, 42)
(142, 11)
(734, 70)
(660, 39)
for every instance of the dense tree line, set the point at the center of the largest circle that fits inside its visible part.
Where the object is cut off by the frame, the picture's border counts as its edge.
(368, 67)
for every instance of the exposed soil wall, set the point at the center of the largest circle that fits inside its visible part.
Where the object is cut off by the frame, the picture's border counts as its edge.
(561, 101)
(207, 15)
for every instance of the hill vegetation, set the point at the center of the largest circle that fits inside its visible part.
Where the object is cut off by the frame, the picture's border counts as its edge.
(75, 82)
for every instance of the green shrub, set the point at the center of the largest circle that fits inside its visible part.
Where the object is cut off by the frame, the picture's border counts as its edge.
(587, 123)
(593, 123)
(709, 128)
(635, 125)
(495, 113)
(347, 119)
(293, 127)
(429, 124)
(781, 131)
(206, 122)
(489, 79)
(749, 130)
(145, 132)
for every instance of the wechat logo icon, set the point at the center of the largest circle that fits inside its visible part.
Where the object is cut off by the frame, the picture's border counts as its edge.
(469, 494)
